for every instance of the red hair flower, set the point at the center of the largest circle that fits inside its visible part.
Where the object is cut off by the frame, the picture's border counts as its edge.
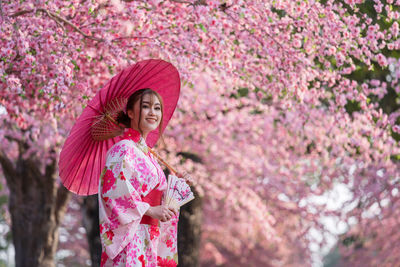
(132, 134)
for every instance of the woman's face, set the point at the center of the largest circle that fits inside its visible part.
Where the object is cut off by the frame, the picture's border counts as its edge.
(151, 114)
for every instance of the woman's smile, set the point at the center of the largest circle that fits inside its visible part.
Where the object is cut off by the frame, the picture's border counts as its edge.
(151, 120)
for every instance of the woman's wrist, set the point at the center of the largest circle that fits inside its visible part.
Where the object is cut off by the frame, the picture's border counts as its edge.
(149, 211)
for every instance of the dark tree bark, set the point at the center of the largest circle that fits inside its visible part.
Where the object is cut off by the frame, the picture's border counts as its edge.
(90, 212)
(189, 232)
(37, 205)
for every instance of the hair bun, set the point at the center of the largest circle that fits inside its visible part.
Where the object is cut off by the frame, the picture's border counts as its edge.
(124, 119)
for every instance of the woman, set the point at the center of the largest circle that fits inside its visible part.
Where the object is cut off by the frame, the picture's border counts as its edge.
(135, 228)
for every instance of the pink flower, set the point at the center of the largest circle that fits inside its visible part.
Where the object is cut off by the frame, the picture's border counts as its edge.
(165, 262)
(142, 260)
(14, 84)
(396, 129)
(104, 258)
(395, 29)
(381, 60)
(297, 43)
(115, 150)
(169, 243)
(108, 181)
(154, 232)
(110, 234)
(144, 187)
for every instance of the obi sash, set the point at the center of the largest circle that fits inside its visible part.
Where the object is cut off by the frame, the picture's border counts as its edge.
(154, 199)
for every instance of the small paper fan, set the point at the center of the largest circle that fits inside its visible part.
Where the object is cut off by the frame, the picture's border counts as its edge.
(178, 192)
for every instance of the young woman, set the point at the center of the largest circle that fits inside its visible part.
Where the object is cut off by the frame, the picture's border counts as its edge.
(135, 228)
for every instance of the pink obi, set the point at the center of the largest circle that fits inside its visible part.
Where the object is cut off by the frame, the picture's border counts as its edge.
(154, 199)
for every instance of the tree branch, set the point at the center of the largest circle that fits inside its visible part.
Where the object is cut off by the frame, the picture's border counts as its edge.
(22, 146)
(1, 9)
(196, 3)
(6, 164)
(182, 2)
(62, 198)
(50, 169)
(8, 169)
(58, 19)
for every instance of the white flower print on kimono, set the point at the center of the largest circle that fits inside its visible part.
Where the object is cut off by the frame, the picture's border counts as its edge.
(128, 176)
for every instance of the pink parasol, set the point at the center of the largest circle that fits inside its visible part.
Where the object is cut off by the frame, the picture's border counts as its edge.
(84, 152)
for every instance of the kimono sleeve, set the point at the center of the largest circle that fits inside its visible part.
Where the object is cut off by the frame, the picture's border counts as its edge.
(120, 205)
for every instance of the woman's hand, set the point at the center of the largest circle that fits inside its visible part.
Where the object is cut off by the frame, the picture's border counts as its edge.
(162, 213)
(186, 177)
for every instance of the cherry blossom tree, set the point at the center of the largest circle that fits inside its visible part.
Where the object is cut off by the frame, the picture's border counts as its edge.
(268, 104)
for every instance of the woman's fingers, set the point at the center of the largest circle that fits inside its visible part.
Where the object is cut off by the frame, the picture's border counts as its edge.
(162, 212)
(166, 214)
(174, 210)
(189, 180)
(165, 217)
(169, 214)
(182, 174)
(186, 177)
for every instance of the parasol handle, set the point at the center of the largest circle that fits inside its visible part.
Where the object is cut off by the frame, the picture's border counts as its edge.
(163, 162)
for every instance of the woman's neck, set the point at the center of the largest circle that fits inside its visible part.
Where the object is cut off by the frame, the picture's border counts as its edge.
(144, 134)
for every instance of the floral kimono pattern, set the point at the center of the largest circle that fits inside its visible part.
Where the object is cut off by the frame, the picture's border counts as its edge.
(130, 174)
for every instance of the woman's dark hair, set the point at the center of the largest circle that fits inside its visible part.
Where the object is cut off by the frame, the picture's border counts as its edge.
(123, 117)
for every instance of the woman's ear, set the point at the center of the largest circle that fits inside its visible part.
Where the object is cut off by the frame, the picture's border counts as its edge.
(130, 114)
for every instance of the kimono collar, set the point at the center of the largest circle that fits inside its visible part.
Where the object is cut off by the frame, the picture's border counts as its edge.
(136, 137)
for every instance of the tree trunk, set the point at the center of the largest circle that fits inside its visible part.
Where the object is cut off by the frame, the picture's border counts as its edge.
(90, 212)
(189, 232)
(37, 205)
